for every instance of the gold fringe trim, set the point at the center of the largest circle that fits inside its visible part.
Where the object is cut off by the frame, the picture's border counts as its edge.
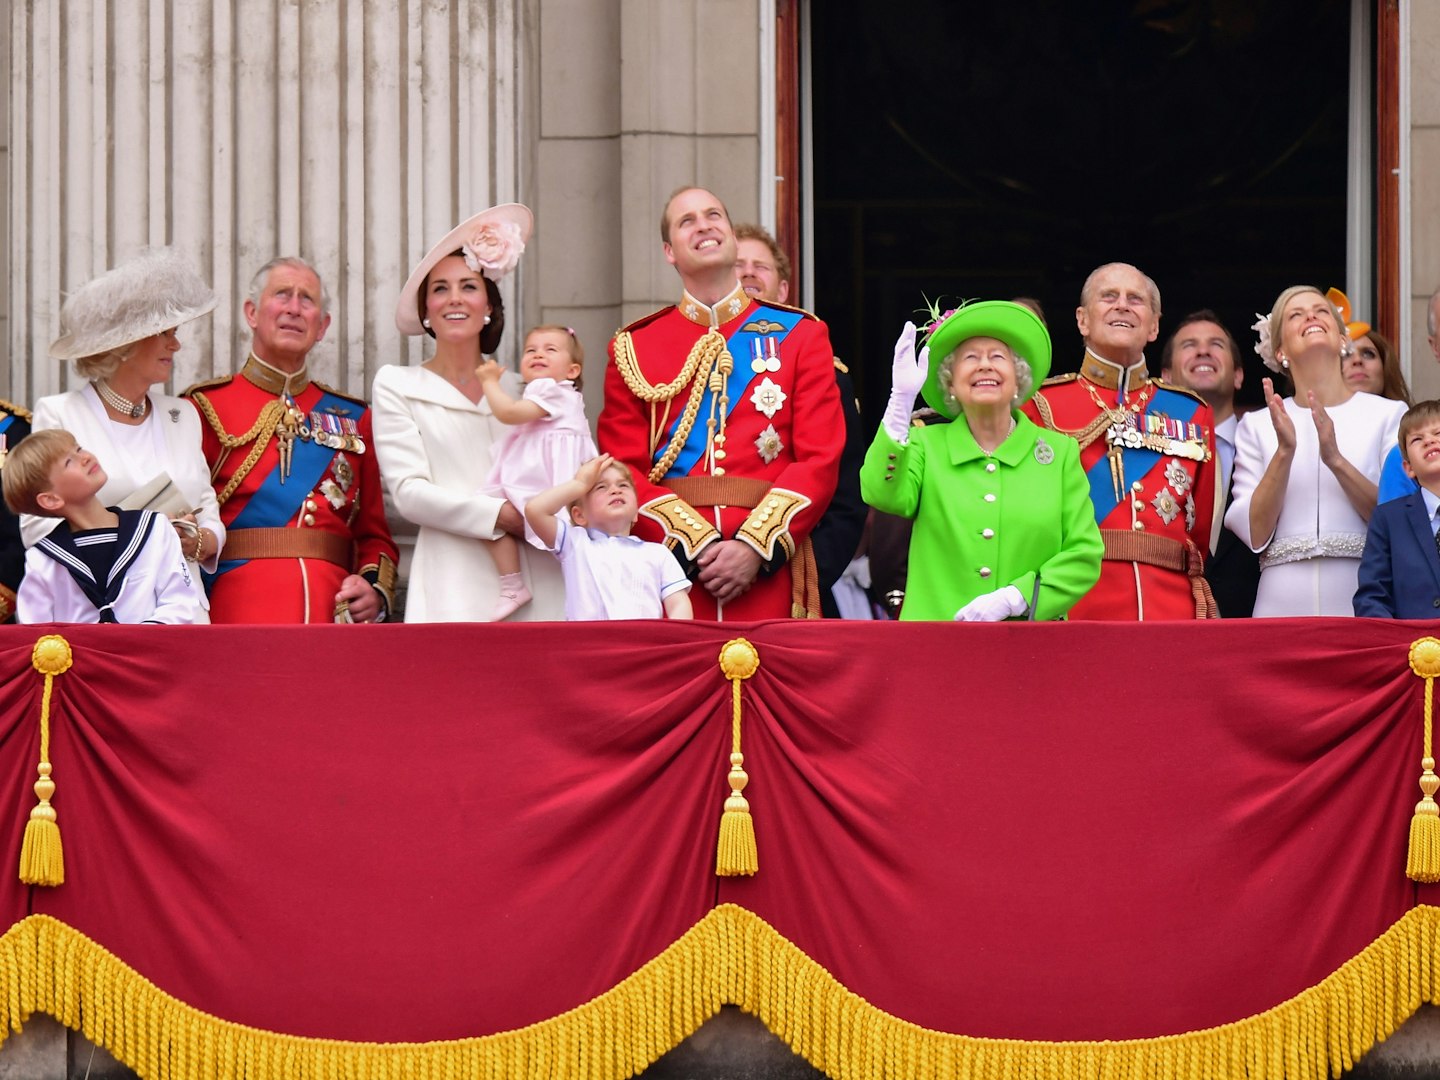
(42, 858)
(731, 956)
(1422, 861)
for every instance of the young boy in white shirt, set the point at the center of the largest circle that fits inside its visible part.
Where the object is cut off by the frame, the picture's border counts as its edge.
(100, 564)
(609, 574)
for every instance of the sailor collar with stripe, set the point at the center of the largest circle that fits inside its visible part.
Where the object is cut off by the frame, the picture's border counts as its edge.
(726, 308)
(270, 378)
(1110, 375)
(131, 530)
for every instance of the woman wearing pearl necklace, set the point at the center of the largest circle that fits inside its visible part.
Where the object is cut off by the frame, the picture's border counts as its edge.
(121, 331)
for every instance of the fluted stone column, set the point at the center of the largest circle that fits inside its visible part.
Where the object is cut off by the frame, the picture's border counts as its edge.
(635, 97)
(1423, 84)
(352, 132)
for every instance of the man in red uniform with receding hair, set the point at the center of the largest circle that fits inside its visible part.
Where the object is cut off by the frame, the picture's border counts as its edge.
(295, 472)
(1147, 448)
(725, 408)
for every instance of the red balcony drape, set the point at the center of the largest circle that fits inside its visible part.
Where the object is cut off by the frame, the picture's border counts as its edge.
(1029, 832)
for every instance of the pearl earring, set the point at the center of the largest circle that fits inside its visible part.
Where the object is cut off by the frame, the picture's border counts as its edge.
(1285, 362)
(425, 323)
(487, 320)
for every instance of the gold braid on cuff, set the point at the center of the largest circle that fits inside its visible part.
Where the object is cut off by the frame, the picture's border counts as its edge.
(769, 523)
(682, 524)
(385, 575)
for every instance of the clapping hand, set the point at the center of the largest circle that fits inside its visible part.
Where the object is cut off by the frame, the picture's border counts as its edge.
(1325, 432)
(1284, 426)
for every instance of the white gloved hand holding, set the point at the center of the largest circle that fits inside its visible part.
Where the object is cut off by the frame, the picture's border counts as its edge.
(907, 376)
(993, 606)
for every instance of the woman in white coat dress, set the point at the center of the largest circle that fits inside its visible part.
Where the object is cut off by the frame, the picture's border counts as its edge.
(1307, 466)
(120, 330)
(434, 430)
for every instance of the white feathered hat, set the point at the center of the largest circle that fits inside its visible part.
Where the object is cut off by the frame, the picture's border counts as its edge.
(156, 290)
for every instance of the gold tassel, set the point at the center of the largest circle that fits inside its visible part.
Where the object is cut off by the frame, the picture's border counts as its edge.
(1422, 862)
(42, 859)
(736, 854)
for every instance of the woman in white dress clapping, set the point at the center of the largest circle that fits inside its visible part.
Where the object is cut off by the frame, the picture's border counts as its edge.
(1307, 466)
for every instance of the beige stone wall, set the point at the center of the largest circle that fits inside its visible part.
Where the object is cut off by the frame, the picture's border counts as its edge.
(395, 119)
(635, 98)
(1424, 74)
(4, 200)
(353, 132)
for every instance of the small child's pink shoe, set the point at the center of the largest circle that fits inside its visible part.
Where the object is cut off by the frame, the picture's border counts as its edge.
(513, 596)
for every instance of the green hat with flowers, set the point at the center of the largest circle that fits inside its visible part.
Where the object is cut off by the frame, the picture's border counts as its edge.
(1014, 324)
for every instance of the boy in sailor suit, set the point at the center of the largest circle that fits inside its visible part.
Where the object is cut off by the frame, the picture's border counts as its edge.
(100, 564)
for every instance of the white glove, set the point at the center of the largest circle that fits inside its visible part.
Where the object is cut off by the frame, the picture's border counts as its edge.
(993, 606)
(907, 376)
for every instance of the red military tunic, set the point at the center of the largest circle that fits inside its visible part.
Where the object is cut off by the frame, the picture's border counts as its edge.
(286, 555)
(760, 461)
(1148, 449)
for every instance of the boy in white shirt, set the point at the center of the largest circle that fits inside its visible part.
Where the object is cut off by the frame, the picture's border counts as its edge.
(609, 574)
(100, 564)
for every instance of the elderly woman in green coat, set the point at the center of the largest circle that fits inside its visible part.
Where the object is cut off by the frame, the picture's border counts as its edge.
(1004, 528)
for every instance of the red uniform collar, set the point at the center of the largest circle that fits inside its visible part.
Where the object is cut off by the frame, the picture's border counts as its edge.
(731, 306)
(1112, 376)
(271, 379)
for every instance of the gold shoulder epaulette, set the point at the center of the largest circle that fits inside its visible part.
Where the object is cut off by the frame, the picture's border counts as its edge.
(16, 410)
(644, 320)
(208, 384)
(791, 307)
(1178, 389)
(1056, 380)
(341, 394)
(840, 366)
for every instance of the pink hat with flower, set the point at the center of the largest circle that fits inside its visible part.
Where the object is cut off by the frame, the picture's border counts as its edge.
(491, 241)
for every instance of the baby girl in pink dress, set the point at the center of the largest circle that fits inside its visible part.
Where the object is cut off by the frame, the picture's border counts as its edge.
(549, 441)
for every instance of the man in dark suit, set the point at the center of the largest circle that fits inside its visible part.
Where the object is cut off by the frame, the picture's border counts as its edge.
(1400, 570)
(1201, 356)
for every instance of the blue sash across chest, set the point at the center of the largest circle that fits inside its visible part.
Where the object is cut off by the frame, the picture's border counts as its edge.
(276, 502)
(739, 343)
(1139, 460)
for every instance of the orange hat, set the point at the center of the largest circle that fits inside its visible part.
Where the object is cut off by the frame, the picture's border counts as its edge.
(1356, 330)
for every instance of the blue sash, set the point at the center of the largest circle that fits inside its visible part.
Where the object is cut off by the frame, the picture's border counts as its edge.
(6, 422)
(739, 344)
(1138, 460)
(276, 502)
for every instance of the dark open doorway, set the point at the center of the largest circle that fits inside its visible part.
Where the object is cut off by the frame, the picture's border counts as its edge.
(989, 150)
